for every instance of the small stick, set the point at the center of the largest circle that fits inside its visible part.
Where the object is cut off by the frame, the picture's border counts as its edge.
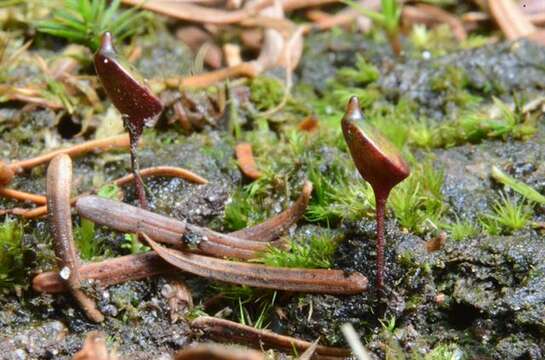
(23, 196)
(245, 69)
(59, 179)
(246, 162)
(230, 331)
(118, 141)
(130, 219)
(262, 276)
(167, 171)
(106, 273)
(217, 352)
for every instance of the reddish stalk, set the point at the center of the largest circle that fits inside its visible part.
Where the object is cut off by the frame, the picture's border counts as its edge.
(262, 276)
(246, 162)
(23, 196)
(378, 162)
(229, 331)
(59, 179)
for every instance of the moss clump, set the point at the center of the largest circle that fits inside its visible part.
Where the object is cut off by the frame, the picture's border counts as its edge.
(314, 252)
(12, 269)
(508, 215)
(266, 92)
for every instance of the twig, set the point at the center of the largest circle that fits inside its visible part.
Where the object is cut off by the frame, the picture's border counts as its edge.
(225, 330)
(262, 276)
(59, 179)
(130, 219)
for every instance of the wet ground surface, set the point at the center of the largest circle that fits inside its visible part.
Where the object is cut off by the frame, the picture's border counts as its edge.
(485, 294)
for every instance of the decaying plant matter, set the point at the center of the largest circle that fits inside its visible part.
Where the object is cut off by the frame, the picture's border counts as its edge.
(138, 106)
(229, 331)
(59, 181)
(378, 162)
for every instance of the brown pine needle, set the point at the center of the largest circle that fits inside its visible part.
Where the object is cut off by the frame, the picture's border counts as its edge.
(246, 162)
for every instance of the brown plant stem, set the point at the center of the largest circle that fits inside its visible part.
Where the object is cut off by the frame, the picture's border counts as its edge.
(229, 331)
(262, 276)
(245, 69)
(118, 141)
(130, 219)
(59, 179)
(107, 272)
(23, 196)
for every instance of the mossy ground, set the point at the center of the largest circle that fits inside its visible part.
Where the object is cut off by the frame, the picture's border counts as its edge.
(454, 116)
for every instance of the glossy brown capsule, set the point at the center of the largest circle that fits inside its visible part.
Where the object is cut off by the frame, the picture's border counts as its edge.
(379, 162)
(138, 106)
(125, 88)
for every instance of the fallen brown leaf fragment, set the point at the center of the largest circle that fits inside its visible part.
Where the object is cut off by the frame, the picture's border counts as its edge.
(229, 331)
(262, 276)
(246, 161)
(217, 352)
(437, 242)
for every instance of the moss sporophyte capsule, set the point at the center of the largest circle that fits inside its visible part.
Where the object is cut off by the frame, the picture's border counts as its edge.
(379, 162)
(138, 106)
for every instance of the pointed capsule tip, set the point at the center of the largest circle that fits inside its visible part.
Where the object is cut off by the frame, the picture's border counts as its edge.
(106, 42)
(353, 111)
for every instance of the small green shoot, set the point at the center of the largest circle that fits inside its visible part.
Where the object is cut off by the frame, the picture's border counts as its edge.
(83, 21)
(518, 186)
(314, 253)
(509, 215)
(388, 19)
(11, 254)
(461, 230)
(84, 235)
(134, 245)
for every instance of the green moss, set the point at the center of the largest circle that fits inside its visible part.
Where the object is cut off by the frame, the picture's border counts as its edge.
(417, 202)
(461, 230)
(266, 92)
(314, 252)
(84, 235)
(508, 215)
(12, 269)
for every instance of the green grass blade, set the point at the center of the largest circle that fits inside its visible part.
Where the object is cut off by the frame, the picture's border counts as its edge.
(525, 190)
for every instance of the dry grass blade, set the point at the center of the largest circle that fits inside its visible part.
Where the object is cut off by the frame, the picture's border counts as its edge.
(261, 276)
(167, 171)
(229, 331)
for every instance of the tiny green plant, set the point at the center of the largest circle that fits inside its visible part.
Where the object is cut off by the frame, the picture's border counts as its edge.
(84, 235)
(461, 230)
(84, 21)
(509, 215)
(313, 253)
(388, 19)
(11, 253)
(379, 163)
